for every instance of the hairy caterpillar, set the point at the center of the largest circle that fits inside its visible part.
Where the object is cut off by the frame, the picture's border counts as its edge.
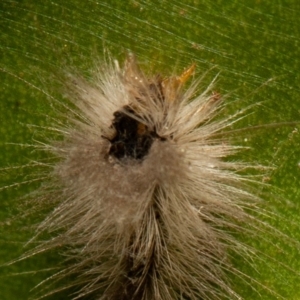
(249, 43)
(145, 202)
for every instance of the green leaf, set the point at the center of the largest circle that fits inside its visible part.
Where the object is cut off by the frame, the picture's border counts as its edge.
(253, 44)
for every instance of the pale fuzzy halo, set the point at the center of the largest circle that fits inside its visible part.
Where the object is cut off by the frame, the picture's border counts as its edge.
(146, 212)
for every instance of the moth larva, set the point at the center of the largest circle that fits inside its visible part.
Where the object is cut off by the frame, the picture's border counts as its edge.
(145, 202)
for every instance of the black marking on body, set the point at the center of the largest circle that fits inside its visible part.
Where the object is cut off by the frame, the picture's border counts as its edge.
(132, 139)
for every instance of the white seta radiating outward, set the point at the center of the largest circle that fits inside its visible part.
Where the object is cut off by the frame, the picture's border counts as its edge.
(146, 205)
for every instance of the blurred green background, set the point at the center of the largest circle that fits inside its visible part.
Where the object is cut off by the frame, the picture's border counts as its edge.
(253, 44)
